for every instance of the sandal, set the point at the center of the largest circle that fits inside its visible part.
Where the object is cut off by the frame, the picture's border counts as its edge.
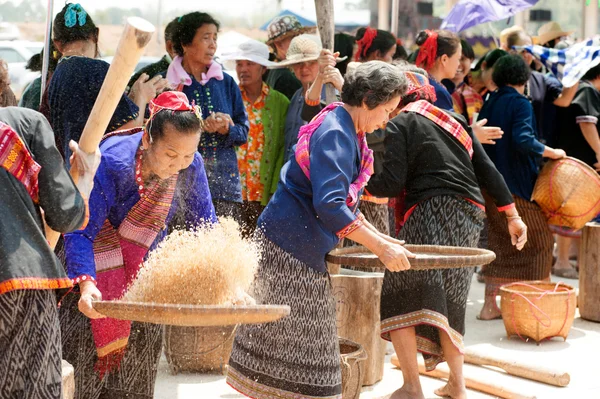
(570, 273)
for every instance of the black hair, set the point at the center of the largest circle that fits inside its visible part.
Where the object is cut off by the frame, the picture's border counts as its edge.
(493, 56)
(412, 58)
(344, 44)
(382, 42)
(64, 34)
(187, 27)
(400, 53)
(185, 122)
(170, 29)
(593, 73)
(511, 70)
(373, 83)
(35, 63)
(447, 42)
(552, 43)
(467, 50)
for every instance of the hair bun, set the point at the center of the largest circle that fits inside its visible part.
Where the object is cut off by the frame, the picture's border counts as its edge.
(360, 33)
(422, 38)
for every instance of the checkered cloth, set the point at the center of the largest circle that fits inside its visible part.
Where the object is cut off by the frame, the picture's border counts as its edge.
(568, 65)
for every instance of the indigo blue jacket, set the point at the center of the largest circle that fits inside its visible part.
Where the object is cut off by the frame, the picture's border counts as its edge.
(304, 216)
(217, 150)
(518, 153)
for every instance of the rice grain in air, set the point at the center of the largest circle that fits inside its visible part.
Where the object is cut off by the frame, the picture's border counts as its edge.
(212, 265)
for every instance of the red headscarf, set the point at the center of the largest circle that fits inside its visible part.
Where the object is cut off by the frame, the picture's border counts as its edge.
(365, 43)
(428, 51)
(173, 101)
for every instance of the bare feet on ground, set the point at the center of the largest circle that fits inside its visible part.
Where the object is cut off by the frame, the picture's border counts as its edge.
(451, 390)
(489, 312)
(407, 393)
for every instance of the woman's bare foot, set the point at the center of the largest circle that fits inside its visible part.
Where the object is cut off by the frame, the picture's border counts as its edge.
(452, 390)
(489, 311)
(407, 392)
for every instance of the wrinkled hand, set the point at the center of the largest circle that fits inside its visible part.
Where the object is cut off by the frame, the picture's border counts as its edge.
(557, 153)
(518, 232)
(89, 293)
(242, 298)
(394, 256)
(218, 123)
(84, 166)
(334, 76)
(486, 134)
(327, 58)
(146, 89)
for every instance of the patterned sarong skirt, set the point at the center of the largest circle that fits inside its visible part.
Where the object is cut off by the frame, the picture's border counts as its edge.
(432, 300)
(298, 356)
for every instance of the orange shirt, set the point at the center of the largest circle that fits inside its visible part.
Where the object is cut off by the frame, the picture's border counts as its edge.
(250, 154)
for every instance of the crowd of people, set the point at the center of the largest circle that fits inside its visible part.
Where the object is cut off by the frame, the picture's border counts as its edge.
(420, 148)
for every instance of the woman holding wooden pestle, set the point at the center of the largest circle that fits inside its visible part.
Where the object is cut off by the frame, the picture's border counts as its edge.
(315, 205)
(434, 156)
(145, 176)
(78, 77)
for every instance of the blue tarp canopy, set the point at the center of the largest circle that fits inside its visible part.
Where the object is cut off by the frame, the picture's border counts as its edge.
(343, 21)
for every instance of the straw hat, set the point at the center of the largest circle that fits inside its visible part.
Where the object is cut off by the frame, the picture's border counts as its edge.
(251, 50)
(286, 26)
(550, 31)
(507, 32)
(303, 48)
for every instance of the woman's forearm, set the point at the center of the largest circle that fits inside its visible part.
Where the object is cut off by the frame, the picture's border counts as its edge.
(314, 91)
(590, 133)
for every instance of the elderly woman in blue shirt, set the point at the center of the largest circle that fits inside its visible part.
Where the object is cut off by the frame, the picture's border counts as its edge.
(517, 156)
(315, 205)
(145, 177)
(195, 72)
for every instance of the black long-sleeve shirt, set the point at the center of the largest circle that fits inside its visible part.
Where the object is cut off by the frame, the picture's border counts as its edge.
(427, 161)
(26, 260)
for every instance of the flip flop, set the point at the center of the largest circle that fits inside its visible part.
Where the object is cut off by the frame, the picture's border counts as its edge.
(569, 273)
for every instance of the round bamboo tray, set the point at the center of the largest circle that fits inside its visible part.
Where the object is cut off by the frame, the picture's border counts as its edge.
(538, 310)
(568, 191)
(191, 315)
(428, 257)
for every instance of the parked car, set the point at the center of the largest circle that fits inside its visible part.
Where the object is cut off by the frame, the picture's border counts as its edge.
(16, 53)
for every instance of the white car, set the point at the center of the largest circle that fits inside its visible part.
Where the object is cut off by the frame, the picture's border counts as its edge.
(16, 53)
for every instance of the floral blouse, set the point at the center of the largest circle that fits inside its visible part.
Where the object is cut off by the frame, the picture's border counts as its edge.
(250, 154)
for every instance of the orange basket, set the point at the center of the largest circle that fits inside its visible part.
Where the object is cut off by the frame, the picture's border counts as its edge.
(568, 191)
(538, 310)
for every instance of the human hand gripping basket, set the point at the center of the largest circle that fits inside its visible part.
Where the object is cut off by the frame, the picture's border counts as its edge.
(568, 191)
(538, 310)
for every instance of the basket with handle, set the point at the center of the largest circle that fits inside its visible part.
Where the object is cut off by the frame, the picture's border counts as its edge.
(568, 191)
(538, 310)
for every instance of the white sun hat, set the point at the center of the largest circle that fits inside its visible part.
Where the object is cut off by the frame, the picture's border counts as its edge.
(251, 50)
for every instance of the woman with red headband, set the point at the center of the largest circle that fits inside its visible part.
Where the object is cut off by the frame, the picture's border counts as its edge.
(145, 176)
(374, 45)
(439, 54)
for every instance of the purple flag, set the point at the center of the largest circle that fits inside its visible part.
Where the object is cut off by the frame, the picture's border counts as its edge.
(468, 13)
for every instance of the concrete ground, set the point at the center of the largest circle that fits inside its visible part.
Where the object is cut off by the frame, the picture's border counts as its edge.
(577, 356)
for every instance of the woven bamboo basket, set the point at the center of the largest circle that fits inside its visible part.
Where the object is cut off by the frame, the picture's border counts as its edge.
(352, 357)
(568, 191)
(198, 349)
(538, 310)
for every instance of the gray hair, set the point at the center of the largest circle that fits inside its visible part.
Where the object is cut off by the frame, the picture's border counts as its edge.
(373, 83)
(407, 67)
